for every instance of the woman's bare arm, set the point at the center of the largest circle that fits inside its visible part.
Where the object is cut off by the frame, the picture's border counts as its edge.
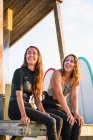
(24, 118)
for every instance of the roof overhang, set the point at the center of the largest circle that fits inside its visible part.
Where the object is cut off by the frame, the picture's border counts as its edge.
(26, 14)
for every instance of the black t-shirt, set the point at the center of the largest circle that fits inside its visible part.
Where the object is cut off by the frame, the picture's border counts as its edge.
(23, 79)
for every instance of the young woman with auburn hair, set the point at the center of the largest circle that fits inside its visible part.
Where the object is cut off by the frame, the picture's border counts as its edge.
(62, 97)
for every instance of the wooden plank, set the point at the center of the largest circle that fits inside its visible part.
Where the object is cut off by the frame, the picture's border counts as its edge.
(15, 128)
(87, 130)
(60, 37)
(7, 97)
(22, 28)
(29, 8)
(16, 5)
(86, 138)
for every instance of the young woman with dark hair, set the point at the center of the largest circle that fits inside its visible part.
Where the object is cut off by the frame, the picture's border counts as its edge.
(27, 81)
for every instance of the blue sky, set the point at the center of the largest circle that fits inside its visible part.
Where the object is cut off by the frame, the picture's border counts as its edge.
(77, 19)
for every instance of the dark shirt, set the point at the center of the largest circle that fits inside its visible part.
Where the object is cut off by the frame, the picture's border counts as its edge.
(23, 80)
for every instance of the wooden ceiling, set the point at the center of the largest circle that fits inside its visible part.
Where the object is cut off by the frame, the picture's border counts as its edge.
(26, 14)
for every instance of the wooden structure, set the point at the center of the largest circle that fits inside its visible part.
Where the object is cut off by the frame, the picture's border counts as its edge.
(26, 14)
(1, 59)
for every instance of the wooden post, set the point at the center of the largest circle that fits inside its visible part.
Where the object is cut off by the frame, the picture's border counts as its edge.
(1, 46)
(1, 64)
(58, 22)
(6, 31)
(1, 60)
(7, 97)
(8, 15)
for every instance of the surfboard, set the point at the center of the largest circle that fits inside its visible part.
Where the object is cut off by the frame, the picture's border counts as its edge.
(86, 91)
(47, 77)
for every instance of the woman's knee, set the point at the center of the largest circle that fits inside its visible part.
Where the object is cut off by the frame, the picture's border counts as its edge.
(52, 121)
(77, 126)
(52, 124)
(67, 128)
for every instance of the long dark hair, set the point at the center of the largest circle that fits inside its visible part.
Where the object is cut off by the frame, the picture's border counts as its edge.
(38, 73)
(75, 75)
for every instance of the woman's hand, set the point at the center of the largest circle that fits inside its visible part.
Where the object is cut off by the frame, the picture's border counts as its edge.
(79, 119)
(71, 119)
(25, 120)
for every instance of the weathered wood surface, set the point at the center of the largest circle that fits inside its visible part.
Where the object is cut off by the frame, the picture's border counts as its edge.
(59, 30)
(15, 128)
(87, 130)
(6, 102)
(1, 47)
(27, 13)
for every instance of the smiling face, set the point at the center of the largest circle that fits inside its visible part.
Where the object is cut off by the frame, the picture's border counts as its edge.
(69, 64)
(31, 56)
(33, 60)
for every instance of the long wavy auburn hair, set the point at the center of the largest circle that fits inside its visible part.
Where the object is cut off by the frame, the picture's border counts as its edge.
(38, 73)
(75, 75)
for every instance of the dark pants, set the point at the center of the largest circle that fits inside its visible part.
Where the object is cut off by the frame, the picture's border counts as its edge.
(53, 122)
(68, 132)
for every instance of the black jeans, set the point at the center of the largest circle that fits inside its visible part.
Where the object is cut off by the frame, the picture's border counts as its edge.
(68, 132)
(53, 122)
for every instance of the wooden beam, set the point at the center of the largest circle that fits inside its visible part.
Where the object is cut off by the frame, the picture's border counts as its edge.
(7, 97)
(15, 128)
(1, 60)
(9, 19)
(87, 130)
(1, 63)
(6, 31)
(60, 36)
(1, 46)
